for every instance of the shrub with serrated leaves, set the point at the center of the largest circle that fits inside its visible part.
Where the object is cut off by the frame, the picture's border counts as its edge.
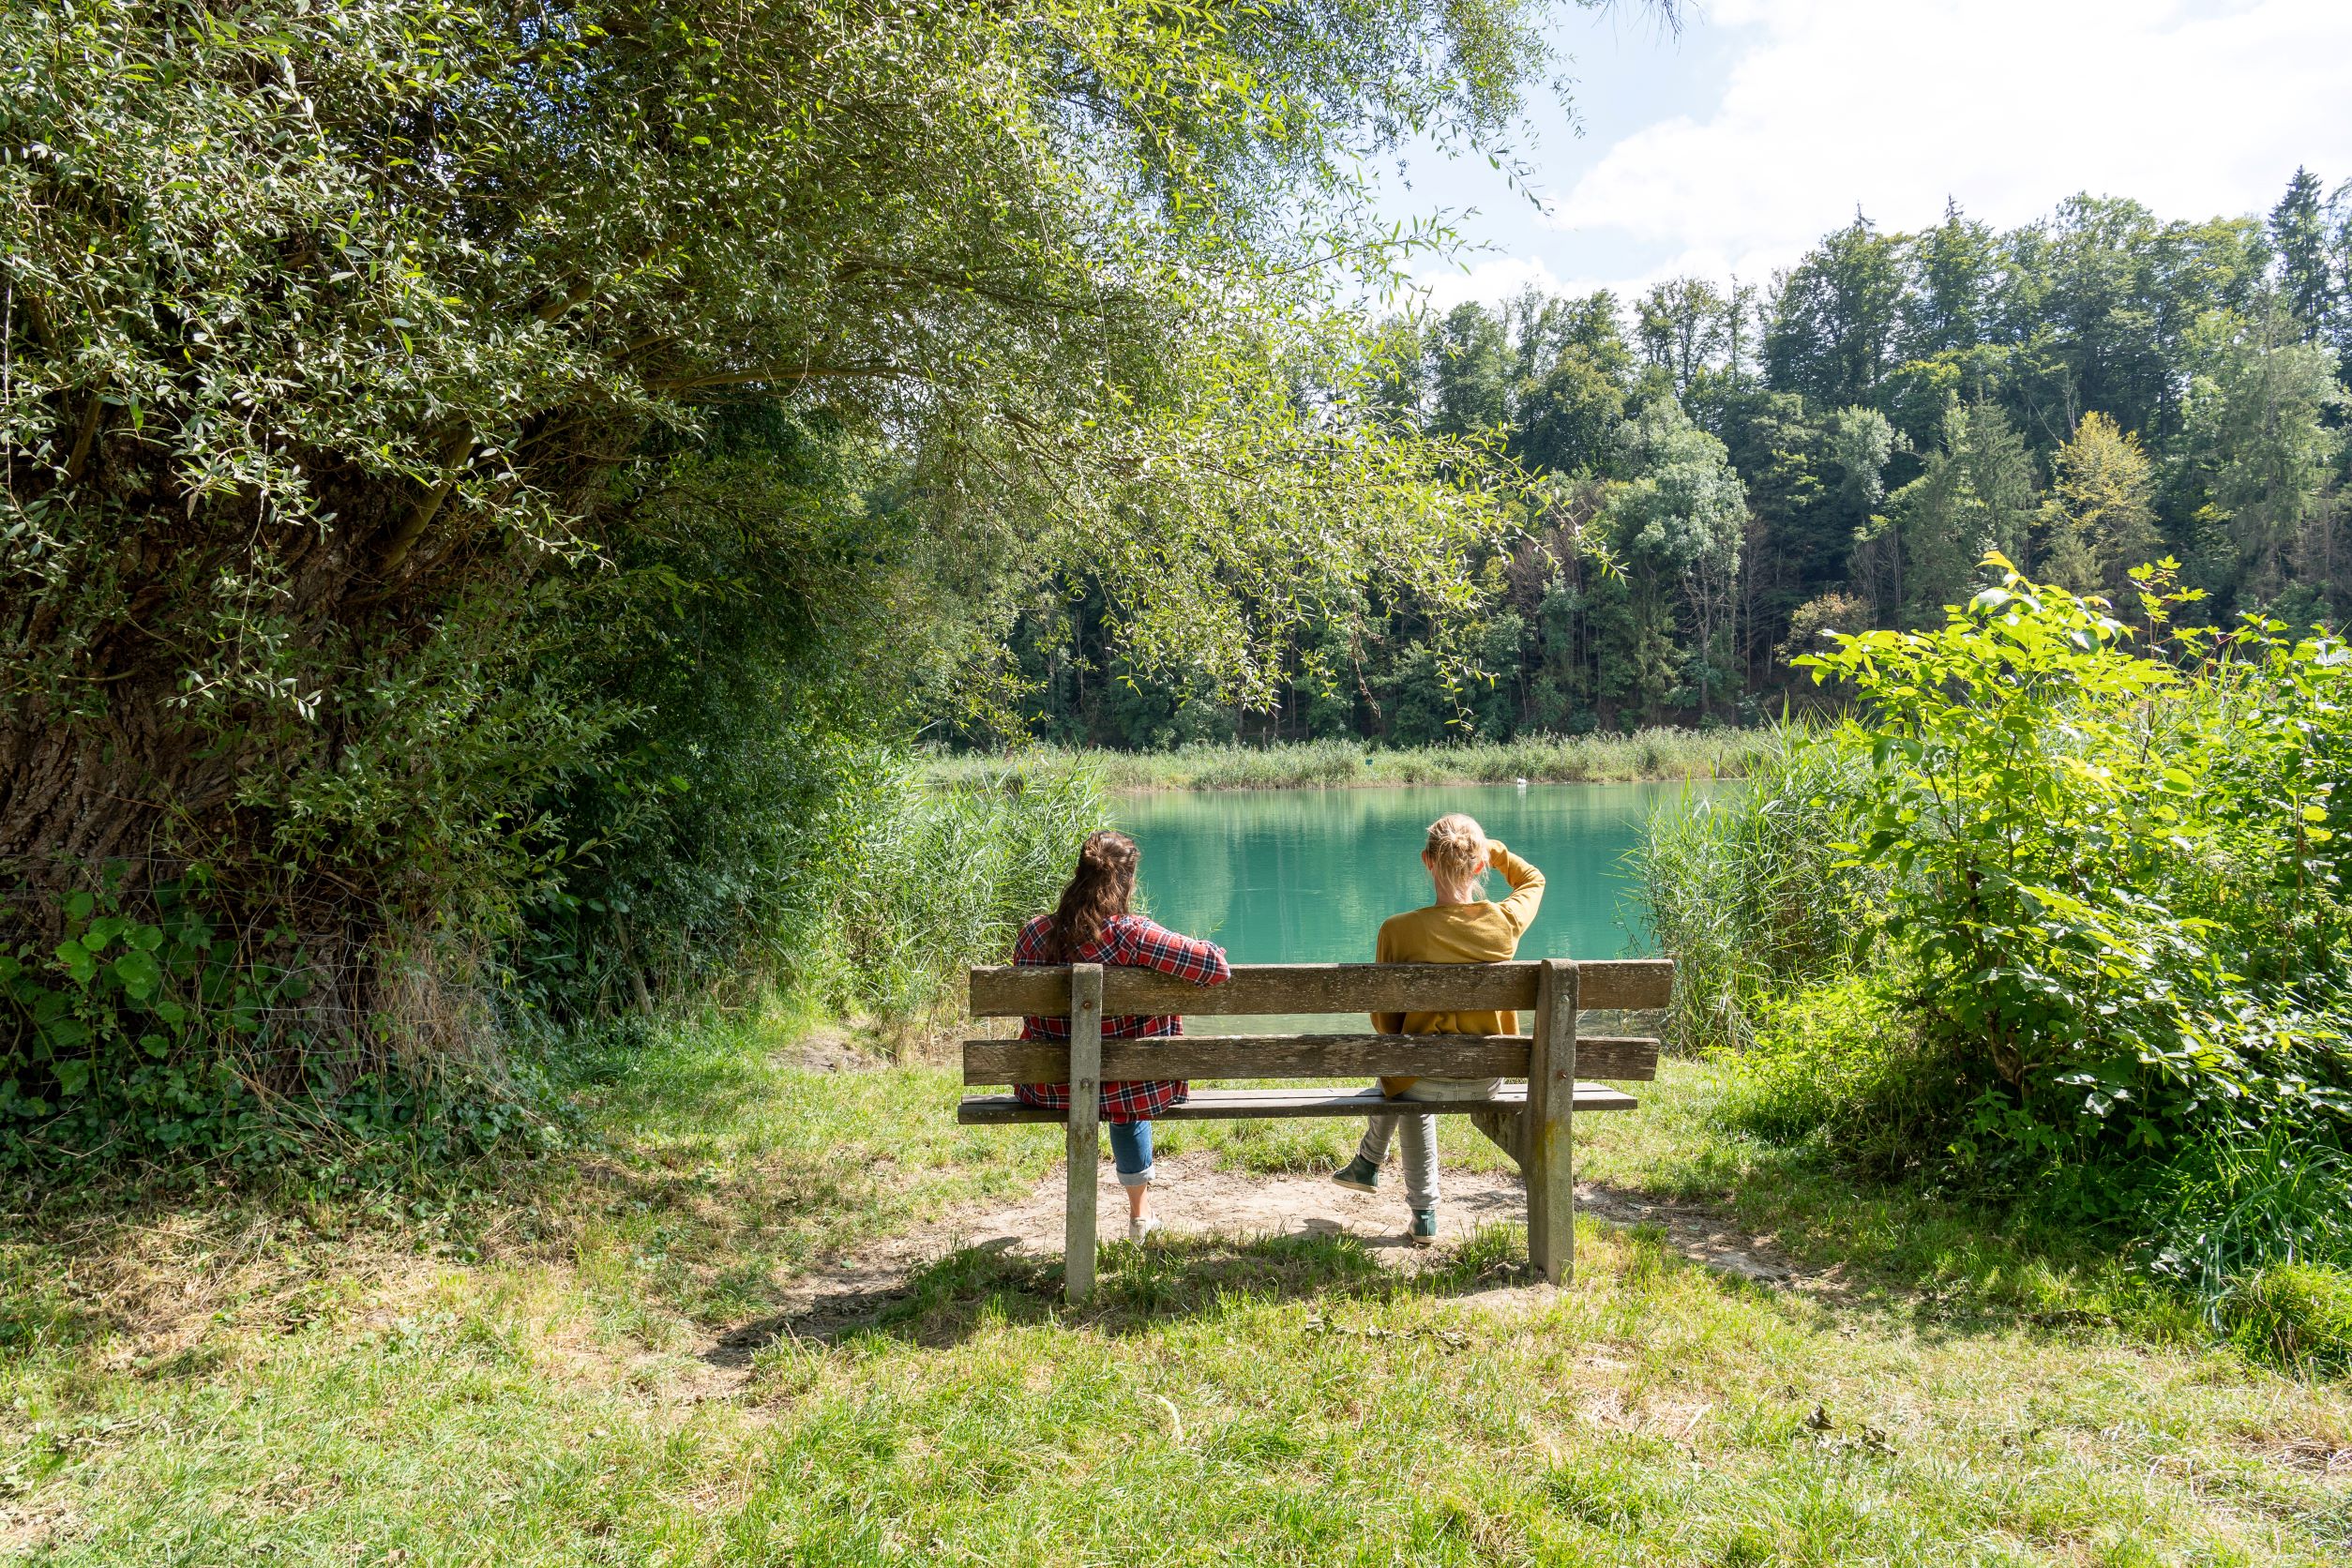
(2114, 868)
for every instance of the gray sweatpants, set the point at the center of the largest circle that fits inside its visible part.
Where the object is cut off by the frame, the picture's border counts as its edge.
(1420, 1133)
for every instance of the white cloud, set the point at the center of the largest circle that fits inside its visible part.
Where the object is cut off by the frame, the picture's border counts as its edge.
(2007, 106)
(1489, 283)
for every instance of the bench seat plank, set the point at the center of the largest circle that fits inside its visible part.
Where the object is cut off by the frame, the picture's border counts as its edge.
(1003, 991)
(1619, 1059)
(1242, 1105)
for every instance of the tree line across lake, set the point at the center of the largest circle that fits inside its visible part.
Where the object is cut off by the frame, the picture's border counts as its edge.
(1718, 472)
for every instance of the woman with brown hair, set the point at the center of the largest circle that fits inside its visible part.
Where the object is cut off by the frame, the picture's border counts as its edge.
(1093, 926)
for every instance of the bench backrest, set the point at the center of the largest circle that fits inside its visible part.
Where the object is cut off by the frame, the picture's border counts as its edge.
(1519, 986)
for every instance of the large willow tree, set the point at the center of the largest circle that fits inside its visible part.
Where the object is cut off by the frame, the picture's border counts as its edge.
(337, 336)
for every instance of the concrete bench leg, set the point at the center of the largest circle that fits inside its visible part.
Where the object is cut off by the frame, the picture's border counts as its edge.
(1084, 1147)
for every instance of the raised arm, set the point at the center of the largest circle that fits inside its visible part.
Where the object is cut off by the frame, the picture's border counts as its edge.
(1144, 944)
(1527, 887)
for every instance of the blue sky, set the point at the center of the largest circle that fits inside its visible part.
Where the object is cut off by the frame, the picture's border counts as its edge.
(1730, 147)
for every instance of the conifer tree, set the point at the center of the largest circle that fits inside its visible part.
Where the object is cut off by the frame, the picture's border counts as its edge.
(2299, 233)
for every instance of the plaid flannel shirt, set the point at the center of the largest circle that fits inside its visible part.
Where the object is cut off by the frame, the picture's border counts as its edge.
(1131, 941)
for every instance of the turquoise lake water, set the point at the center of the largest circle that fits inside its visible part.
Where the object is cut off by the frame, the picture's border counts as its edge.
(1306, 876)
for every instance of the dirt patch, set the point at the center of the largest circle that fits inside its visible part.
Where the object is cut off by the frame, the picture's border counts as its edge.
(1194, 1197)
(25, 1530)
(1699, 1233)
(835, 1050)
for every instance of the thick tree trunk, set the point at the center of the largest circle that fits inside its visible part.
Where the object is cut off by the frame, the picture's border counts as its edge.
(164, 699)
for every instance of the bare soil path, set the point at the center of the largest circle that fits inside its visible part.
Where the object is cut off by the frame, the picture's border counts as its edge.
(1194, 1197)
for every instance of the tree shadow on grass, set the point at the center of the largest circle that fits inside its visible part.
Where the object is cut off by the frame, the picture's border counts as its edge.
(945, 1302)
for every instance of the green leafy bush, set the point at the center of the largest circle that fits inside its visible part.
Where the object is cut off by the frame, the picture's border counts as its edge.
(748, 635)
(2058, 914)
(150, 1030)
(2112, 876)
(1841, 1066)
(106, 1019)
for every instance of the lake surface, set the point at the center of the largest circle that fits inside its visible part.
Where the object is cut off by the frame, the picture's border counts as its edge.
(1306, 876)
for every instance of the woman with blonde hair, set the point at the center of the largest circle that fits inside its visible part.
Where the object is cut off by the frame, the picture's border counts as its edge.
(1462, 926)
(1093, 926)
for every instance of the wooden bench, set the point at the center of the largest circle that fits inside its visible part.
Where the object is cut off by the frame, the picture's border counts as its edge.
(1531, 1120)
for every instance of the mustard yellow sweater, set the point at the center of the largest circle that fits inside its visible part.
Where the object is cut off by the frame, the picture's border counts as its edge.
(1481, 933)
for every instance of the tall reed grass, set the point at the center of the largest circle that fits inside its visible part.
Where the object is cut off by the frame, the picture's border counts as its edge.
(935, 880)
(2227, 1208)
(1646, 754)
(1745, 888)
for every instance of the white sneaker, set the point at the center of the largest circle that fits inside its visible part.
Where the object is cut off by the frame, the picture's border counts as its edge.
(1141, 1230)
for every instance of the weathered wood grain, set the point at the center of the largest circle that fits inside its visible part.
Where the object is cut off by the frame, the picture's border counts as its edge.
(1004, 991)
(1244, 1104)
(1618, 1058)
(1507, 1131)
(1547, 1133)
(1083, 1144)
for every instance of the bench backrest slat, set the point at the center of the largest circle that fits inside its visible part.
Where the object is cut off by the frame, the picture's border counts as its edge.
(1305, 1056)
(1004, 991)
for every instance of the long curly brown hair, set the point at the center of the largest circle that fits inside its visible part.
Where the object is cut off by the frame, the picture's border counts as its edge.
(1096, 896)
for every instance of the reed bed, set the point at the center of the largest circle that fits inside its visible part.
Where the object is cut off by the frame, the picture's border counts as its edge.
(1644, 755)
(1746, 885)
(939, 879)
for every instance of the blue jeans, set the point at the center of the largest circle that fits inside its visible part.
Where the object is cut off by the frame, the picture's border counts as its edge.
(1131, 1152)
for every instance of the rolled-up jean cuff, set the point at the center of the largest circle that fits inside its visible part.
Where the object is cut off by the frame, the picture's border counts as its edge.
(1131, 1145)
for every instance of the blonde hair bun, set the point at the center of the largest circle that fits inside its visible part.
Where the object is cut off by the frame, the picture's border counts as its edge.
(1457, 846)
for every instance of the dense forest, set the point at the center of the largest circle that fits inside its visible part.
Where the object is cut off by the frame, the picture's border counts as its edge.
(1717, 473)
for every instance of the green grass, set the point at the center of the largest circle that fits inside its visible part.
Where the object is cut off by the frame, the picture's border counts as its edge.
(504, 1365)
(1646, 754)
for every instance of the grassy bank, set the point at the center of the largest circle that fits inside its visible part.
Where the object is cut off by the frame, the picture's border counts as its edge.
(1646, 754)
(529, 1366)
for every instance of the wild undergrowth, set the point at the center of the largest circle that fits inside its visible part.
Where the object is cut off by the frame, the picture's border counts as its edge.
(2055, 918)
(1595, 759)
(145, 1040)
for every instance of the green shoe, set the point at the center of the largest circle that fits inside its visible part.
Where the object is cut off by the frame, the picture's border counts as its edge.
(1424, 1228)
(1358, 1175)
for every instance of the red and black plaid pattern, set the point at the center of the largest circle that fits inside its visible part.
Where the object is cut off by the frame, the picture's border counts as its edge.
(1129, 942)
